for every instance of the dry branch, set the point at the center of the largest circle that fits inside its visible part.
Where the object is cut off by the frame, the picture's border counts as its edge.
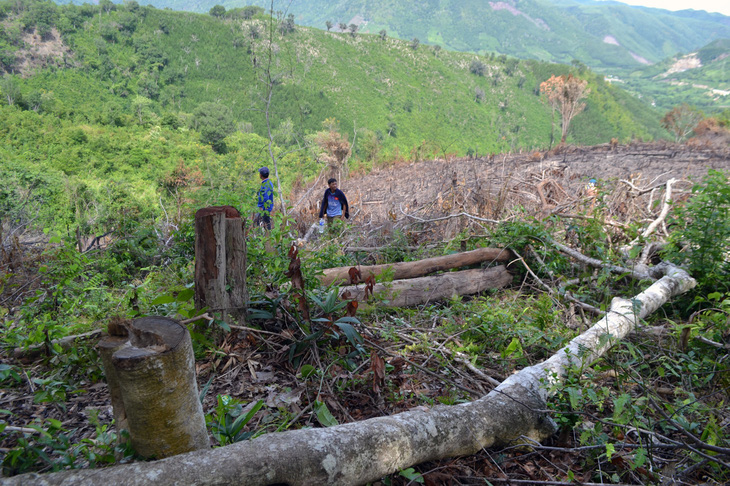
(404, 270)
(356, 453)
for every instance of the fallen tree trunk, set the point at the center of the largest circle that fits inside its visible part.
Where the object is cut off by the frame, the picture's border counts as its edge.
(404, 270)
(65, 343)
(360, 452)
(416, 291)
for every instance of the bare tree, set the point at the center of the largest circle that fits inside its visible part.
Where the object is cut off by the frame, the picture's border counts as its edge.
(336, 147)
(271, 75)
(564, 93)
(681, 121)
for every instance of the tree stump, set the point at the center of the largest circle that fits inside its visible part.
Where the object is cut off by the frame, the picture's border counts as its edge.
(220, 261)
(150, 370)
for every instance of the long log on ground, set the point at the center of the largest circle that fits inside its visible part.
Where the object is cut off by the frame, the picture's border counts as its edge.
(361, 452)
(65, 343)
(421, 290)
(403, 270)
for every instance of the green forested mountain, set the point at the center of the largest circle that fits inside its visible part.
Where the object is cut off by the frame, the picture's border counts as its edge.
(700, 78)
(128, 95)
(598, 34)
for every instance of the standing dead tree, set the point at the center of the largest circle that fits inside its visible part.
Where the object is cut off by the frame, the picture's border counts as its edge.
(357, 453)
(336, 147)
(564, 93)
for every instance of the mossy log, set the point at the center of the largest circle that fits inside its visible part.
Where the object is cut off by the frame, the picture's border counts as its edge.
(150, 369)
(420, 268)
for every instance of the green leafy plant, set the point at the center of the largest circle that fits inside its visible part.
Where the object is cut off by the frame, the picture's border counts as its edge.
(50, 447)
(701, 236)
(228, 419)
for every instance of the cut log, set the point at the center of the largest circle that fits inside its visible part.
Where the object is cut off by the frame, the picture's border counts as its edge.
(220, 261)
(416, 291)
(420, 268)
(361, 452)
(150, 369)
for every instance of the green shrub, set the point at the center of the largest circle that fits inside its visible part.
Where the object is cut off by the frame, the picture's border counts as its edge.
(701, 238)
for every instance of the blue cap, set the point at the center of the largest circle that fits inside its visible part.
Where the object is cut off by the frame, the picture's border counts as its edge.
(264, 171)
(592, 181)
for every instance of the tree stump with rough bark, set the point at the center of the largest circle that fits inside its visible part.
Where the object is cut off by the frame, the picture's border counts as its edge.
(150, 369)
(220, 261)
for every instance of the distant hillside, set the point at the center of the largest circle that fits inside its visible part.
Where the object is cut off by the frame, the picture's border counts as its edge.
(700, 78)
(401, 95)
(598, 34)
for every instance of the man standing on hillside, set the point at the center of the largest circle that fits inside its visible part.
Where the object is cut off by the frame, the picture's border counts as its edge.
(334, 203)
(265, 200)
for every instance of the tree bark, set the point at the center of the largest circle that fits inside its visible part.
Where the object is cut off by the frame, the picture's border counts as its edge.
(108, 345)
(357, 453)
(419, 268)
(220, 261)
(415, 291)
(150, 369)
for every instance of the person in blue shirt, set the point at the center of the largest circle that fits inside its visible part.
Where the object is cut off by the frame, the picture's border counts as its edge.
(334, 203)
(265, 200)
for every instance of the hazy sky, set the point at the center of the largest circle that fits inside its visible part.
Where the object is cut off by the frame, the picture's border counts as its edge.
(721, 6)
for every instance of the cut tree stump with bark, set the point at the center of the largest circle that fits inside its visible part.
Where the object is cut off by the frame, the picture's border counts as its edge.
(420, 268)
(150, 369)
(361, 452)
(220, 261)
(416, 291)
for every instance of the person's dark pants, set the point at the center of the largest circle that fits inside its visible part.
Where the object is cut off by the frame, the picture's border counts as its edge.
(262, 219)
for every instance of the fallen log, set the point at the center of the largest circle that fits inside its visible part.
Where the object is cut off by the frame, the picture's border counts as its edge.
(65, 343)
(360, 452)
(421, 290)
(404, 270)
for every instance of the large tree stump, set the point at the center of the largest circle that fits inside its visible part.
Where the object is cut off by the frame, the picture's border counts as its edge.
(220, 261)
(150, 370)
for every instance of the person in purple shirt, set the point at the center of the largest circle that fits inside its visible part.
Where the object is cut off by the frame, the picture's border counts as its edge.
(334, 203)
